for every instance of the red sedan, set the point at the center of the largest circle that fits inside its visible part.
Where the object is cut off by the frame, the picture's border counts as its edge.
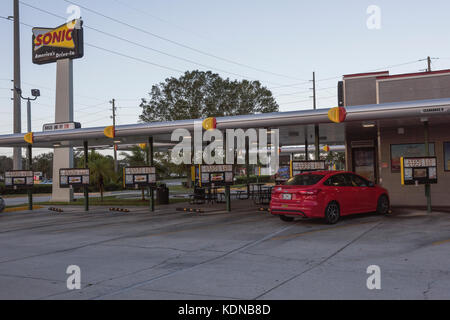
(328, 195)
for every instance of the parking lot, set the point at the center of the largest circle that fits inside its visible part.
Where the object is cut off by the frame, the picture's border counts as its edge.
(245, 254)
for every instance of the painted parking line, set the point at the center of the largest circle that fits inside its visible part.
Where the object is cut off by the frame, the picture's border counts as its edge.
(296, 235)
(437, 243)
(24, 208)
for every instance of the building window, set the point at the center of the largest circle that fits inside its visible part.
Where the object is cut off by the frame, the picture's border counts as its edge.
(447, 156)
(408, 150)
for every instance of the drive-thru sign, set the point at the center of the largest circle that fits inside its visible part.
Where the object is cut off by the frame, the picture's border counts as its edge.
(216, 175)
(418, 170)
(135, 177)
(19, 178)
(73, 177)
(298, 167)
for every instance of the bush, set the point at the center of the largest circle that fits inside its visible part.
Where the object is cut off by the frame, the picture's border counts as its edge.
(38, 188)
(253, 179)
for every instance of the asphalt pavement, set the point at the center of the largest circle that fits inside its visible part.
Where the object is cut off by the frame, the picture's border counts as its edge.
(245, 254)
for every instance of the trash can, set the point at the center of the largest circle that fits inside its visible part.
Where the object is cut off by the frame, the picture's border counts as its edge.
(162, 194)
(2, 205)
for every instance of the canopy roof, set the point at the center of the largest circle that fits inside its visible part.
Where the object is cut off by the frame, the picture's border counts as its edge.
(292, 126)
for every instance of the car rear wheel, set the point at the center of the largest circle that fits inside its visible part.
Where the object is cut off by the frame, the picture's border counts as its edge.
(286, 219)
(383, 205)
(332, 213)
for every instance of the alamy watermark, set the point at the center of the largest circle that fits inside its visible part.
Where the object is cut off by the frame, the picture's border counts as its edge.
(374, 280)
(74, 280)
(374, 20)
(190, 149)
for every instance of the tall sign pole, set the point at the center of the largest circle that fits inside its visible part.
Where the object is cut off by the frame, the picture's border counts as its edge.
(113, 102)
(17, 151)
(316, 126)
(61, 45)
(63, 157)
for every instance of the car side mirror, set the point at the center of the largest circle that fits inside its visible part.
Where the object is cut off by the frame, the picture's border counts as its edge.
(371, 184)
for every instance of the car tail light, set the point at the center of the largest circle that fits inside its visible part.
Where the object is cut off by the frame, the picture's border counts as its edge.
(310, 192)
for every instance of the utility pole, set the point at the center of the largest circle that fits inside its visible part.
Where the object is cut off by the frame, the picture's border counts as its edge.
(429, 63)
(316, 126)
(113, 102)
(17, 151)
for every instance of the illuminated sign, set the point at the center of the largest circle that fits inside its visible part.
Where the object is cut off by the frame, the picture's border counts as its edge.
(29, 137)
(63, 42)
(298, 167)
(217, 175)
(61, 126)
(110, 132)
(73, 177)
(19, 178)
(209, 123)
(418, 170)
(337, 114)
(135, 177)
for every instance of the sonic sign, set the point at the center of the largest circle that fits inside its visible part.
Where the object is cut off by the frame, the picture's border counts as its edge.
(63, 42)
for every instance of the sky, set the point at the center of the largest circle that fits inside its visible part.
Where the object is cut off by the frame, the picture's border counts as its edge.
(279, 43)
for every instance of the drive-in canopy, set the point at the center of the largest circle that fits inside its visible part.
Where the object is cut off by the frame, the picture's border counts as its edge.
(291, 124)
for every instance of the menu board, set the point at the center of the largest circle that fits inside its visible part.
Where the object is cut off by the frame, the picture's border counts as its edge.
(73, 177)
(306, 166)
(19, 178)
(418, 170)
(217, 175)
(135, 177)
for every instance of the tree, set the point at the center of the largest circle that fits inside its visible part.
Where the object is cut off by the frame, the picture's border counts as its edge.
(102, 170)
(6, 164)
(44, 163)
(199, 94)
(137, 157)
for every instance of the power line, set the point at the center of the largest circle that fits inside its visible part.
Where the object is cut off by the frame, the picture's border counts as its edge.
(147, 14)
(133, 58)
(180, 44)
(143, 46)
(300, 92)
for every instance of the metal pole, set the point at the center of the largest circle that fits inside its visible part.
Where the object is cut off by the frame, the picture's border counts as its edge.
(86, 166)
(427, 152)
(17, 151)
(247, 165)
(114, 125)
(228, 197)
(316, 126)
(306, 143)
(30, 167)
(28, 115)
(150, 163)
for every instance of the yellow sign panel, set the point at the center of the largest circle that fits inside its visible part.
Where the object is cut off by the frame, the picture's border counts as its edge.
(60, 37)
(209, 123)
(109, 132)
(29, 138)
(337, 114)
(402, 168)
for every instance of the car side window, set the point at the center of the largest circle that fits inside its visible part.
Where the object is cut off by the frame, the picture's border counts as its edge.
(338, 180)
(358, 181)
